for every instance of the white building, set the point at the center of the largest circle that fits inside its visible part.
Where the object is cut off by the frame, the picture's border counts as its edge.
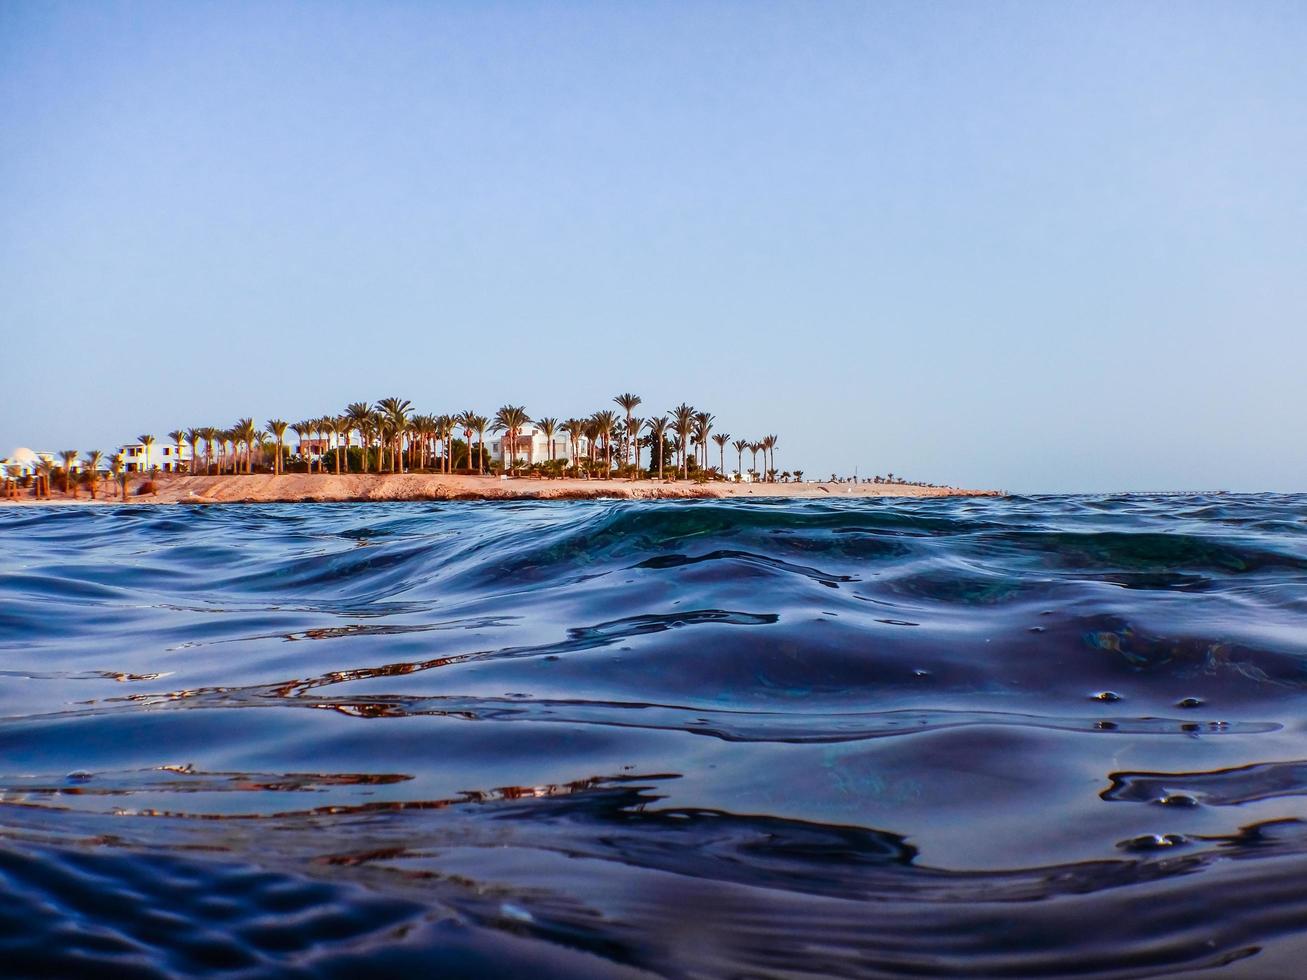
(165, 456)
(23, 462)
(533, 447)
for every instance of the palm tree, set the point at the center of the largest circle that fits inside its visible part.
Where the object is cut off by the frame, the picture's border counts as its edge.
(359, 414)
(658, 433)
(68, 457)
(193, 437)
(204, 433)
(548, 426)
(437, 425)
(444, 427)
(682, 424)
(119, 470)
(754, 447)
(264, 442)
(414, 452)
(233, 449)
(575, 429)
(385, 441)
(437, 428)
(702, 426)
(341, 425)
(178, 437)
(592, 443)
(278, 429)
(94, 459)
(244, 431)
(478, 424)
(346, 431)
(721, 438)
(510, 420)
(769, 448)
(324, 428)
(628, 403)
(376, 423)
(424, 429)
(739, 445)
(301, 430)
(632, 435)
(147, 441)
(605, 422)
(396, 411)
(466, 422)
(43, 470)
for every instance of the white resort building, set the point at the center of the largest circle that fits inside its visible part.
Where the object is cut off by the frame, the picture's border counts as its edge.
(135, 459)
(23, 462)
(533, 447)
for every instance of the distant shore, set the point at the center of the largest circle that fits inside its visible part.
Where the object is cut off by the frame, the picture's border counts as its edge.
(327, 488)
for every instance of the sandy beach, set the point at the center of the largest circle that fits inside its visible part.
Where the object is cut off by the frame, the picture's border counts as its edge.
(301, 487)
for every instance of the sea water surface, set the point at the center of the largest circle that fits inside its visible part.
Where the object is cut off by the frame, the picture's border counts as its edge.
(885, 738)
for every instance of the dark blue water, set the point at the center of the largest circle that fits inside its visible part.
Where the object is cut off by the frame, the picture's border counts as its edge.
(991, 737)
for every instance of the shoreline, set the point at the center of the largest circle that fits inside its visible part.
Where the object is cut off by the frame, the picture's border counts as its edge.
(380, 487)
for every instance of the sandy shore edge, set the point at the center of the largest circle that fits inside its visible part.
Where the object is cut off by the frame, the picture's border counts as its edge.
(358, 487)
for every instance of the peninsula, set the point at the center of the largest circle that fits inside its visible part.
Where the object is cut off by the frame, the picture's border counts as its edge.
(387, 452)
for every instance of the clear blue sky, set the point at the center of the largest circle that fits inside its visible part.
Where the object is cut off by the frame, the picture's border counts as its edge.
(1038, 246)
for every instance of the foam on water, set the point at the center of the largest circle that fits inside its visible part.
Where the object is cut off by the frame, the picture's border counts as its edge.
(990, 737)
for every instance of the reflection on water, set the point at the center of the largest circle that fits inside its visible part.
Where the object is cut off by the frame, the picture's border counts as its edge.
(993, 737)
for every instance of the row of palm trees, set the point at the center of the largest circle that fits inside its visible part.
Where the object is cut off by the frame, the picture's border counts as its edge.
(684, 424)
(391, 436)
(90, 465)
